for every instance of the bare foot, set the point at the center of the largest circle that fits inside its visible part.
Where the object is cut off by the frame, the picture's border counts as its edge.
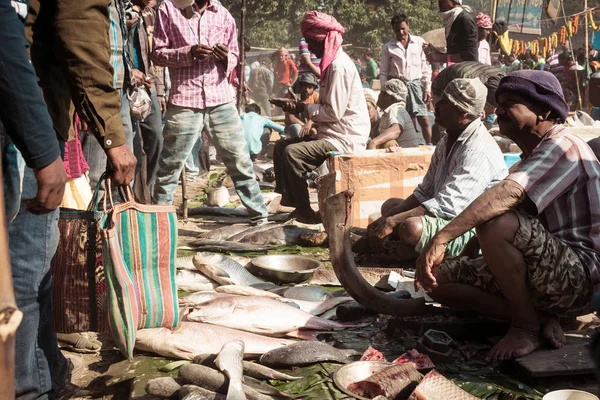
(553, 333)
(518, 342)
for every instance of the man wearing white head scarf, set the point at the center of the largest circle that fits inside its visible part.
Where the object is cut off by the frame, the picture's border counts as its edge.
(466, 162)
(395, 128)
(462, 42)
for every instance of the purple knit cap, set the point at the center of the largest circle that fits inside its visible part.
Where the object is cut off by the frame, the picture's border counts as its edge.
(538, 86)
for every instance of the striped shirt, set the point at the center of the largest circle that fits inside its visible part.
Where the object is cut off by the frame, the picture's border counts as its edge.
(303, 51)
(196, 83)
(456, 178)
(117, 24)
(562, 178)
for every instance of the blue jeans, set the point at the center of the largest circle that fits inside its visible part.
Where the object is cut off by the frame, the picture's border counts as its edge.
(33, 240)
(224, 128)
(192, 164)
(13, 168)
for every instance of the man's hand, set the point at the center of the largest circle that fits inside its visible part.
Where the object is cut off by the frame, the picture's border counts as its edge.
(221, 52)
(371, 145)
(384, 230)
(427, 97)
(51, 181)
(122, 165)
(305, 131)
(139, 78)
(132, 21)
(162, 102)
(201, 51)
(293, 107)
(432, 256)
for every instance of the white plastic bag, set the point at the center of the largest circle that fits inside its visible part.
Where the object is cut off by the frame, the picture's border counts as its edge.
(140, 103)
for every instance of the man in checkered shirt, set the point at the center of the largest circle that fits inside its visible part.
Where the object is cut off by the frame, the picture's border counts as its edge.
(197, 41)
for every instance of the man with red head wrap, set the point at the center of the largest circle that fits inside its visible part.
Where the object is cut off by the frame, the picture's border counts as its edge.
(341, 117)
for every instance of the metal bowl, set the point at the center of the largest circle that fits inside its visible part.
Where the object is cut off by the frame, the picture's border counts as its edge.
(284, 268)
(355, 372)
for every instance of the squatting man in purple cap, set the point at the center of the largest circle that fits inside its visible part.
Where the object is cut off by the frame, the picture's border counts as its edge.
(538, 229)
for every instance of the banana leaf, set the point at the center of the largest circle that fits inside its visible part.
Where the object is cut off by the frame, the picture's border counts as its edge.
(317, 383)
(496, 386)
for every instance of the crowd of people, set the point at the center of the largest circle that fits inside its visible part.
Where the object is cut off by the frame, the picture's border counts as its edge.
(145, 88)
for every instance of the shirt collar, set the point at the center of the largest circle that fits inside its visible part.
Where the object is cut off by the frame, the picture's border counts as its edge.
(410, 40)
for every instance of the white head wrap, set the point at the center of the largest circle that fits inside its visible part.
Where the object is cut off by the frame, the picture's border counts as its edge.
(468, 95)
(397, 89)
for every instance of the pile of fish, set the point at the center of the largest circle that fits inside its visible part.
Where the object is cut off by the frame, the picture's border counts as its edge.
(240, 238)
(225, 375)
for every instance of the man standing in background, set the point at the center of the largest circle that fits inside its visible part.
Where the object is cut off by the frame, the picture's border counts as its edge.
(484, 25)
(149, 140)
(404, 58)
(197, 42)
(286, 73)
(261, 85)
(371, 71)
(461, 34)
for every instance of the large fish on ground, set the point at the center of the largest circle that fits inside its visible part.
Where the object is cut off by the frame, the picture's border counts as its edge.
(258, 315)
(246, 291)
(287, 235)
(200, 297)
(252, 369)
(214, 380)
(307, 293)
(185, 263)
(197, 393)
(224, 270)
(304, 353)
(223, 233)
(251, 231)
(193, 281)
(192, 338)
(229, 361)
(224, 246)
(319, 307)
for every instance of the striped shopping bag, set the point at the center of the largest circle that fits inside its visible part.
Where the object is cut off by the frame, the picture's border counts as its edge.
(139, 248)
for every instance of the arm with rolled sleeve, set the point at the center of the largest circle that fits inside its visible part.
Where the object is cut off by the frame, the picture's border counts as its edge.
(467, 181)
(22, 109)
(163, 55)
(274, 125)
(334, 104)
(384, 67)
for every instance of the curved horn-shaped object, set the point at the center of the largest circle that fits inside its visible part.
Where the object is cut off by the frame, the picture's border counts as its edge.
(338, 215)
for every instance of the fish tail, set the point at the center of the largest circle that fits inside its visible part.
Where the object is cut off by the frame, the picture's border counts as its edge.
(236, 392)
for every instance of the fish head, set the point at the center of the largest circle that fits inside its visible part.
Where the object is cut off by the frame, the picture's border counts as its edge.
(213, 309)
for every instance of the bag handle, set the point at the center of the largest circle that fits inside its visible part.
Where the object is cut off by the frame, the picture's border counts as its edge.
(95, 202)
(129, 197)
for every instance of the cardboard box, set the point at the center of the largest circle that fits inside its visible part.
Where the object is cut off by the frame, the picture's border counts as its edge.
(377, 176)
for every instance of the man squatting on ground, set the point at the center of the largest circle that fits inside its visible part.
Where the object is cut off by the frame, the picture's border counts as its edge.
(539, 229)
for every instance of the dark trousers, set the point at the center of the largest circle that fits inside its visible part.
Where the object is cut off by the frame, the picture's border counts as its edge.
(293, 158)
(147, 145)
